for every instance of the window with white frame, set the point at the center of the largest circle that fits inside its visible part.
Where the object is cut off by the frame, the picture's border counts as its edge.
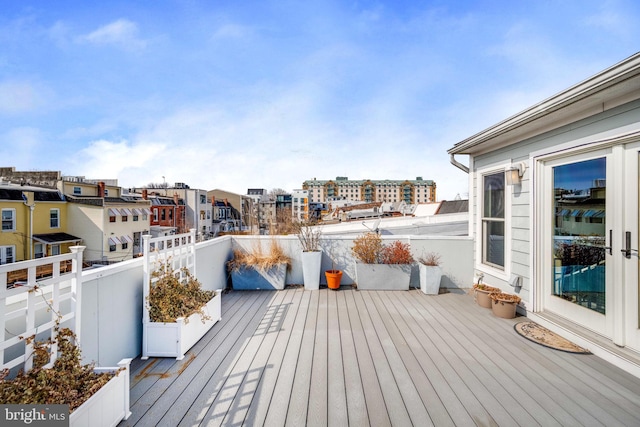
(55, 250)
(39, 250)
(7, 254)
(77, 191)
(54, 218)
(8, 219)
(493, 219)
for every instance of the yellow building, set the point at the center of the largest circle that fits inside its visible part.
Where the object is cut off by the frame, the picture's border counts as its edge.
(34, 223)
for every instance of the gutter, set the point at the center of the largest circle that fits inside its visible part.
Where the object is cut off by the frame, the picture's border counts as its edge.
(454, 162)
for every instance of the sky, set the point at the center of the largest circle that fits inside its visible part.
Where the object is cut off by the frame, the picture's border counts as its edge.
(267, 94)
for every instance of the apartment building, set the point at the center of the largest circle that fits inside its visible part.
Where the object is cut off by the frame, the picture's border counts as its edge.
(385, 190)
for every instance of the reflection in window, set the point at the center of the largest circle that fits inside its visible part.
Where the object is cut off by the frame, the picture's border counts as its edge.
(493, 220)
(579, 233)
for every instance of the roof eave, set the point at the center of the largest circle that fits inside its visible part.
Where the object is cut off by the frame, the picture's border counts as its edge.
(608, 78)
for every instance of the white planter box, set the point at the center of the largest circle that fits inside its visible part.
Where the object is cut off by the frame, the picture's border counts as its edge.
(175, 339)
(383, 277)
(430, 276)
(311, 262)
(109, 405)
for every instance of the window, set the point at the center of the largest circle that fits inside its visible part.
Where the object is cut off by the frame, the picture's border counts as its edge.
(112, 248)
(7, 254)
(54, 218)
(39, 250)
(106, 193)
(163, 215)
(55, 250)
(135, 217)
(493, 219)
(125, 218)
(125, 245)
(8, 219)
(112, 218)
(203, 199)
(77, 191)
(155, 215)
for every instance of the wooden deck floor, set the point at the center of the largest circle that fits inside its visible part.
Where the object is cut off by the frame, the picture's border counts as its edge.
(360, 358)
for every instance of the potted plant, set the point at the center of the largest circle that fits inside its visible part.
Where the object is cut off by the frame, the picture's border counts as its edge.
(178, 312)
(504, 305)
(430, 273)
(309, 236)
(481, 294)
(257, 270)
(96, 396)
(379, 266)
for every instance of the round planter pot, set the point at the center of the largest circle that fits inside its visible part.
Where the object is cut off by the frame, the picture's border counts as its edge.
(504, 309)
(333, 278)
(482, 296)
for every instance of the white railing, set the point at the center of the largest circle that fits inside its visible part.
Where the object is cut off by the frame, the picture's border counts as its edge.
(47, 296)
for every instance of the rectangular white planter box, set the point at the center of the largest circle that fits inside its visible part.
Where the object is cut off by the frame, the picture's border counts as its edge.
(383, 277)
(175, 339)
(109, 405)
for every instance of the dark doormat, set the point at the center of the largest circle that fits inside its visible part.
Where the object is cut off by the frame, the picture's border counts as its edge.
(541, 335)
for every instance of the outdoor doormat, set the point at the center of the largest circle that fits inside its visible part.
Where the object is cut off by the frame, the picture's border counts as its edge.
(541, 335)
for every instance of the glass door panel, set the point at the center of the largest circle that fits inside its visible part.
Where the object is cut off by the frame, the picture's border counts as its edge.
(579, 209)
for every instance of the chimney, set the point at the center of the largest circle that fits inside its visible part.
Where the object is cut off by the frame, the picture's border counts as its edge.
(101, 189)
(175, 198)
(145, 194)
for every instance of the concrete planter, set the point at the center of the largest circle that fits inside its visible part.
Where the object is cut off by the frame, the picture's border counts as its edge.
(383, 277)
(176, 338)
(109, 405)
(249, 278)
(430, 276)
(311, 262)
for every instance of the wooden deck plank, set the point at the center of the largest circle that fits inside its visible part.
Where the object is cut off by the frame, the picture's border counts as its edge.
(226, 399)
(574, 386)
(252, 387)
(484, 369)
(259, 408)
(336, 391)
(356, 405)
(376, 405)
(299, 400)
(195, 399)
(378, 358)
(525, 355)
(277, 411)
(413, 402)
(436, 412)
(318, 393)
(396, 408)
(431, 362)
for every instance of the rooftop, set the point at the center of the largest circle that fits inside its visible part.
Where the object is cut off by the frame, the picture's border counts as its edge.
(352, 357)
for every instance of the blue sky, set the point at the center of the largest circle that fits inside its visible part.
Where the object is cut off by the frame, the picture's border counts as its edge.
(260, 94)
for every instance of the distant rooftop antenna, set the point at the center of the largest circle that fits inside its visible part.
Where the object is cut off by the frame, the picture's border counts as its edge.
(375, 227)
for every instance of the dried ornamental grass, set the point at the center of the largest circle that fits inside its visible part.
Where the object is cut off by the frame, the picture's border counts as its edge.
(68, 382)
(431, 259)
(170, 298)
(257, 259)
(367, 248)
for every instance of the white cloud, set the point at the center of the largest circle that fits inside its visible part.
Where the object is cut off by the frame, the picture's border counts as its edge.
(121, 33)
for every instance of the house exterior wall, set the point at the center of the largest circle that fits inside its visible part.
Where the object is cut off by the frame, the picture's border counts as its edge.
(87, 221)
(521, 198)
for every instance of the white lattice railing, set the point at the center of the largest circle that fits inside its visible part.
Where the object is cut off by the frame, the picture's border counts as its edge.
(177, 251)
(35, 297)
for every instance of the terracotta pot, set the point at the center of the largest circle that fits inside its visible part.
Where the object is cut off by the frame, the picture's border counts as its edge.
(333, 278)
(482, 296)
(504, 305)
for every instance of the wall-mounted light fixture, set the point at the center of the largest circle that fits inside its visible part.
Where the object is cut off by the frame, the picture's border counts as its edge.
(514, 173)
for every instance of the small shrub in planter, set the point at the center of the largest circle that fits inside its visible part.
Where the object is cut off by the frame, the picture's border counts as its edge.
(67, 382)
(170, 298)
(379, 266)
